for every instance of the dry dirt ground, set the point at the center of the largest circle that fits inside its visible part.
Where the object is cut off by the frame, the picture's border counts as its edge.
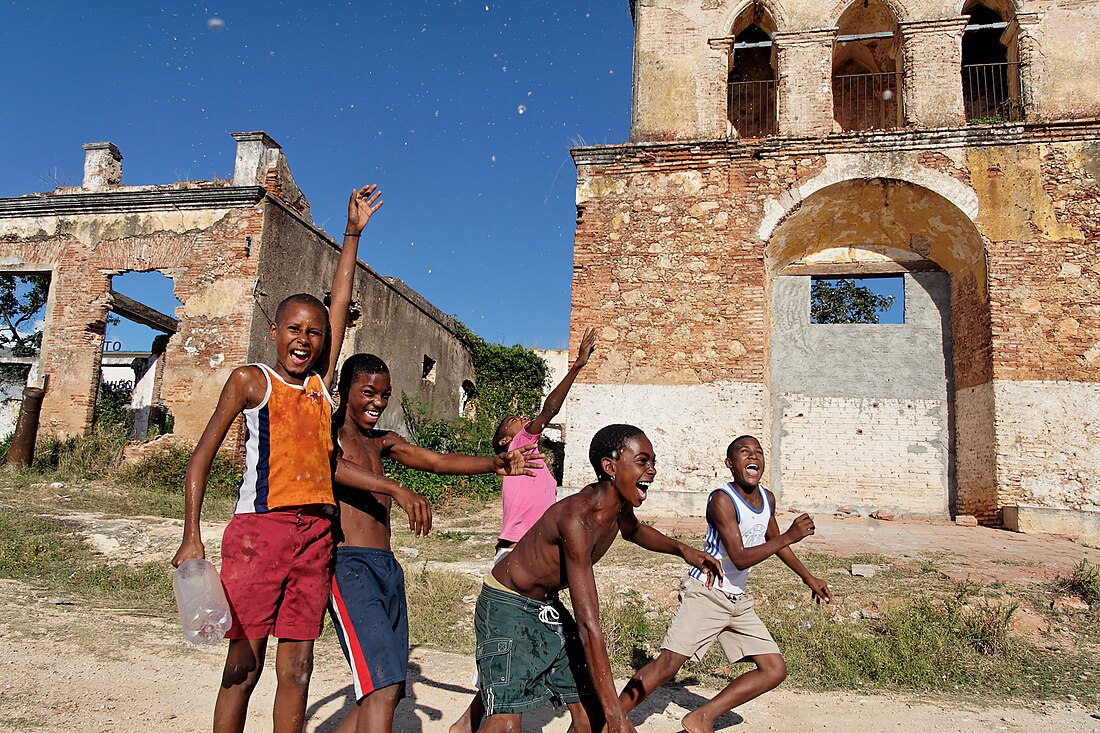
(67, 667)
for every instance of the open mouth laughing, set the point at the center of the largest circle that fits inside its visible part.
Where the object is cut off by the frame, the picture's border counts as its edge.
(299, 357)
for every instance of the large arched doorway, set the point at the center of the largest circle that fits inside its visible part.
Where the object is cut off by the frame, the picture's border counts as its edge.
(895, 416)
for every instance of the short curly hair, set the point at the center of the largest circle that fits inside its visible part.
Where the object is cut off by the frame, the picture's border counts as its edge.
(300, 299)
(607, 443)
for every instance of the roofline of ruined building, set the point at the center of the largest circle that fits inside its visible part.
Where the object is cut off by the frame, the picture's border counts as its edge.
(192, 195)
(668, 152)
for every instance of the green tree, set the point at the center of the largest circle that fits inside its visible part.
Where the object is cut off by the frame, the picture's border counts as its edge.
(510, 381)
(842, 300)
(22, 297)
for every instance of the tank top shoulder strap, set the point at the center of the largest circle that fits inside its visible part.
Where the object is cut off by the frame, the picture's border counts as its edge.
(728, 491)
(267, 372)
(744, 508)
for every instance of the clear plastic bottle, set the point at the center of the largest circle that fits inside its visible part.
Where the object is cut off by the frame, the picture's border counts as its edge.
(200, 599)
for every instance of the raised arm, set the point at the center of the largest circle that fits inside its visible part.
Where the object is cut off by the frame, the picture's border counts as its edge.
(556, 398)
(417, 507)
(819, 590)
(723, 516)
(361, 206)
(518, 462)
(577, 550)
(654, 540)
(241, 390)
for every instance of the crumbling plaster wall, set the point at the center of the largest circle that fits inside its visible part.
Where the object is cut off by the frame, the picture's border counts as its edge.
(395, 324)
(670, 257)
(680, 67)
(201, 250)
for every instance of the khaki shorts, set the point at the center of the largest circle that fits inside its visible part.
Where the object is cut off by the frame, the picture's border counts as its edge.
(706, 614)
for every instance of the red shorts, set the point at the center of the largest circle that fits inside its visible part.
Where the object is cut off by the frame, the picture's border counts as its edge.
(277, 573)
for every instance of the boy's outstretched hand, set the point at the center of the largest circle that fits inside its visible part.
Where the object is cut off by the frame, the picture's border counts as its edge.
(418, 508)
(520, 462)
(819, 590)
(705, 562)
(588, 345)
(361, 207)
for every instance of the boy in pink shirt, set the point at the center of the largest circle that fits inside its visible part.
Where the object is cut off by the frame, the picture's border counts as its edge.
(526, 498)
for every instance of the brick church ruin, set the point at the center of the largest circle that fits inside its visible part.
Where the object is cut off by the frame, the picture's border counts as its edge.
(953, 145)
(233, 249)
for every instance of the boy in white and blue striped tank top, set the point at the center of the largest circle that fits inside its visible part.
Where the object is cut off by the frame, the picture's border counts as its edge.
(741, 532)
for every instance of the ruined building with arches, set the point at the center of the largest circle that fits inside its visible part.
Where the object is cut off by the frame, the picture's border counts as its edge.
(952, 145)
(229, 250)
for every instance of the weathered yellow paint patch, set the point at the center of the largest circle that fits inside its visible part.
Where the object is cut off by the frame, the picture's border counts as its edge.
(1012, 204)
(219, 298)
(880, 215)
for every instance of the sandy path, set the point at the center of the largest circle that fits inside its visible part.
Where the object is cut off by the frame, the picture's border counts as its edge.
(80, 670)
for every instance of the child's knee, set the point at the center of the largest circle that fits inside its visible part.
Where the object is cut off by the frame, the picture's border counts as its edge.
(241, 672)
(774, 667)
(295, 669)
(243, 666)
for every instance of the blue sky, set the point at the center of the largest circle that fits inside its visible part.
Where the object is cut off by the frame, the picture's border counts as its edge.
(463, 112)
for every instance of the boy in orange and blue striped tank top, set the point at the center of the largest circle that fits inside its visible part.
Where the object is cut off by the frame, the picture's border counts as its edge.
(277, 551)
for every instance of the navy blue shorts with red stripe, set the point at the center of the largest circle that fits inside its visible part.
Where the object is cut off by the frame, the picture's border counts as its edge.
(369, 612)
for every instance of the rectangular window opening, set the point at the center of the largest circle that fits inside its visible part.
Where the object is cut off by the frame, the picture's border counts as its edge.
(428, 374)
(868, 300)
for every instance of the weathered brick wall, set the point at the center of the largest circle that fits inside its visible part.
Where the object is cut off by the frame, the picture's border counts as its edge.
(1048, 444)
(690, 426)
(863, 453)
(677, 246)
(202, 251)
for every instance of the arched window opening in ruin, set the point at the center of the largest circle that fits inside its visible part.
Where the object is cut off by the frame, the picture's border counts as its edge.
(866, 73)
(428, 371)
(990, 76)
(140, 320)
(23, 297)
(752, 78)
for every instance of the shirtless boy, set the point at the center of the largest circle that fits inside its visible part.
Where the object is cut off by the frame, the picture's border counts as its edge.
(368, 586)
(529, 648)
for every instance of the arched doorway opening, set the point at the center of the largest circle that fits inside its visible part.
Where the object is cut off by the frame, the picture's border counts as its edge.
(895, 416)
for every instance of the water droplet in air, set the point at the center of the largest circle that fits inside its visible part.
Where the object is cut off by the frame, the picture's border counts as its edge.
(215, 24)
(521, 109)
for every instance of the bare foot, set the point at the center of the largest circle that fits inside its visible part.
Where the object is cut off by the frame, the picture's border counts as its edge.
(698, 721)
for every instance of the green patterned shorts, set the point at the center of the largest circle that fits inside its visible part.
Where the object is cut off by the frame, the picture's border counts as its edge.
(528, 652)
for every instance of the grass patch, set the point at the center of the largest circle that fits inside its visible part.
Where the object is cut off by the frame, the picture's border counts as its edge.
(165, 469)
(438, 616)
(1083, 582)
(93, 455)
(632, 632)
(47, 554)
